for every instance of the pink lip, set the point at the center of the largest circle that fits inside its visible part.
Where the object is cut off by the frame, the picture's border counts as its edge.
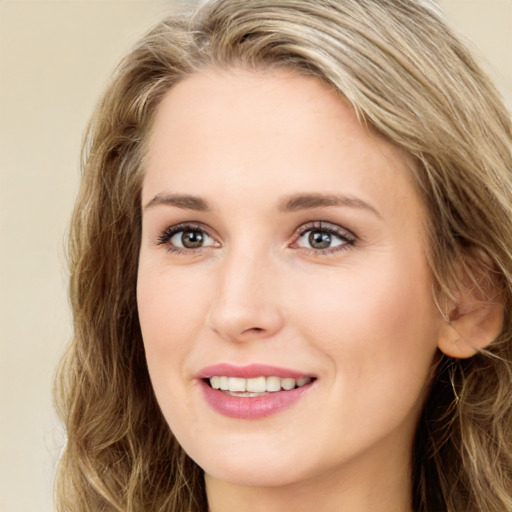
(250, 408)
(249, 371)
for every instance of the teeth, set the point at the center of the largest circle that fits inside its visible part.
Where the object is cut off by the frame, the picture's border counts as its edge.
(223, 383)
(273, 384)
(257, 385)
(287, 384)
(236, 384)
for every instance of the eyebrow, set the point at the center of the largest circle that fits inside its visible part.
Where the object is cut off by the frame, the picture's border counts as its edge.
(184, 201)
(290, 204)
(306, 201)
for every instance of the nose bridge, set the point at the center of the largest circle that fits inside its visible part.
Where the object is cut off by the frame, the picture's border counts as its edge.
(245, 303)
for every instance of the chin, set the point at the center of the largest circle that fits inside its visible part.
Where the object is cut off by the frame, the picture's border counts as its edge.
(248, 475)
(252, 467)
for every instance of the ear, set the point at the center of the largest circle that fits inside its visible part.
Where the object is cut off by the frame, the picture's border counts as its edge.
(475, 319)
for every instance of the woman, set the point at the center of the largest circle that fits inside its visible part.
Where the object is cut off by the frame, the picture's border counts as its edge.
(291, 265)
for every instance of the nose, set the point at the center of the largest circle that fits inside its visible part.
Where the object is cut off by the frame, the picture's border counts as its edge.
(246, 303)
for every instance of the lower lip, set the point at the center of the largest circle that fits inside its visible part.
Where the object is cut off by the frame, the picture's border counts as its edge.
(251, 408)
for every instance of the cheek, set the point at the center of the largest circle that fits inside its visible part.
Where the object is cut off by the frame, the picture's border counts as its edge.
(169, 306)
(377, 335)
(170, 314)
(379, 327)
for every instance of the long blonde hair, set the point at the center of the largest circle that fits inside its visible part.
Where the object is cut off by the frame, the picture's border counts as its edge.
(408, 77)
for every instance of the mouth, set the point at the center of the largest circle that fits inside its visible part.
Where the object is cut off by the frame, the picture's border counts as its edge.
(256, 386)
(254, 391)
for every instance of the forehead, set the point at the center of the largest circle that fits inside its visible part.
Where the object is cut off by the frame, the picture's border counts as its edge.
(274, 129)
(258, 104)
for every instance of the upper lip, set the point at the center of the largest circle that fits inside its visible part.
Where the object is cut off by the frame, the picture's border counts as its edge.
(250, 371)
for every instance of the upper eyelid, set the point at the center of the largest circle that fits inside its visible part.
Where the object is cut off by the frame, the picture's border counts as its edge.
(325, 226)
(165, 235)
(183, 226)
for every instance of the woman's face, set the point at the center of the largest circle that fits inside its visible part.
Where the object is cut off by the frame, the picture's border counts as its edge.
(283, 246)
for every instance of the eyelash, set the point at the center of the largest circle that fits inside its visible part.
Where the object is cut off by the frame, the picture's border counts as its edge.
(347, 238)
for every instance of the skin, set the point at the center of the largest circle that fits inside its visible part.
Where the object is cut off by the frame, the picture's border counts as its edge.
(358, 315)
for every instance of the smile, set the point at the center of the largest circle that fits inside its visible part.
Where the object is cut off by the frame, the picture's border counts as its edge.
(257, 386)
(254, 391)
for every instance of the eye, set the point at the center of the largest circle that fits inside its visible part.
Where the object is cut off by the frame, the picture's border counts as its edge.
(324, 237)
(183, 238)
(190, 239)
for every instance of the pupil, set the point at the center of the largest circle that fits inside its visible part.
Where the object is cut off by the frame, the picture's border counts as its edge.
(192, 239)
(319, 240)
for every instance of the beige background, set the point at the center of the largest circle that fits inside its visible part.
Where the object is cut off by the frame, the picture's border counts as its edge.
(55, 57)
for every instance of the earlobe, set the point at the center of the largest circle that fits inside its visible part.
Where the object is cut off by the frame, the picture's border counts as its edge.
(471, 329)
